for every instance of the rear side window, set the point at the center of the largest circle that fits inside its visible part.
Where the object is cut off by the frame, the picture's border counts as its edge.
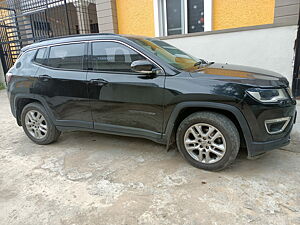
(68, 56)
(23, 66)
(40, 56)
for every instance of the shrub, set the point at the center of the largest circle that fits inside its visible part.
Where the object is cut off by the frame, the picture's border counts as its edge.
(2, 86)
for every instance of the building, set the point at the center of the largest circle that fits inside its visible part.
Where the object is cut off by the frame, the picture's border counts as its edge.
(164, 17)
(25, 21)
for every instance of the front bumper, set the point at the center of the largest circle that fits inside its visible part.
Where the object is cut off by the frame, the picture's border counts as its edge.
(258, 148)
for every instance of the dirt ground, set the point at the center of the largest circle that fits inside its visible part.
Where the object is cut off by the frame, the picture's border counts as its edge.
(89, 178)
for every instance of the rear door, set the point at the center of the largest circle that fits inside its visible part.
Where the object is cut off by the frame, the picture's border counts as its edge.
(61, 81)
(124, 101)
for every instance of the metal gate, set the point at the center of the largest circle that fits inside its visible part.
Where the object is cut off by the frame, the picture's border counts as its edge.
(23, 22)
(9, 38)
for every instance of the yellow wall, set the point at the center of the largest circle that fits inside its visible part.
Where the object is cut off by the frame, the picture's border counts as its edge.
(242, 13)
(135, 17)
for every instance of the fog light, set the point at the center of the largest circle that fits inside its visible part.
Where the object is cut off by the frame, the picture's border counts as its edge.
(276, 126)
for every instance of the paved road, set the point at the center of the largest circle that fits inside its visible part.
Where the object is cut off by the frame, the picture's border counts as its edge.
(88, 178)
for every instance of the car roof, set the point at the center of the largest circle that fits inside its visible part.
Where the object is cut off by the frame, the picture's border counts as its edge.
(80, 37)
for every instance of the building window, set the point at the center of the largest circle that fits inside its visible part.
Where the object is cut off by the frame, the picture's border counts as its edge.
(174, 17)
(195, 11)
(182, 16)
(94, 28)
(41, 26)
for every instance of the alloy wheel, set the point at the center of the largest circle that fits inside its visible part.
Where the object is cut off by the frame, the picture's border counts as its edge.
(205, 143)
(36, 124)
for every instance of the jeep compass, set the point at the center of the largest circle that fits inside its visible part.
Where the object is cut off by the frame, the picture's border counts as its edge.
(145, 87)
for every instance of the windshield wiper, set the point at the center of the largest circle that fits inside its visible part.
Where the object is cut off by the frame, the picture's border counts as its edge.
(203, 62)
(202, 65)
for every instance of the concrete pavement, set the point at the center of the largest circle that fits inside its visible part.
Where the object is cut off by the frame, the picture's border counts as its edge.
(89, 178)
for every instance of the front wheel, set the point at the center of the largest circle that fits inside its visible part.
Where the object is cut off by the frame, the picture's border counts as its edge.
(37, 124)
(208, 140)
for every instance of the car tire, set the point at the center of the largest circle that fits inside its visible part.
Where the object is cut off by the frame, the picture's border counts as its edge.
(37, 124)
(216, 149)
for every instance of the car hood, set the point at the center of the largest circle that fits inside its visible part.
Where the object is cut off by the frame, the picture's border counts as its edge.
(251, 76)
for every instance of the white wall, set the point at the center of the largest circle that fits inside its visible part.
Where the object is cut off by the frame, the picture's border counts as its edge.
(271, 48)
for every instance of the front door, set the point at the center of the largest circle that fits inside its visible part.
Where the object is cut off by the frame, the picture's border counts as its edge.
(124, 101)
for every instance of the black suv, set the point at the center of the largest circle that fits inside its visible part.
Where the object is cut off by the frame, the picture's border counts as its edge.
(144, 87)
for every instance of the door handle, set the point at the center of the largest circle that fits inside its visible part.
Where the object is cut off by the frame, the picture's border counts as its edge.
(45, 77)
(98, 82)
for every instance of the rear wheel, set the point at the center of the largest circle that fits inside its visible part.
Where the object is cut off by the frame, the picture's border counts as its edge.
(208, 140)
(37, 124)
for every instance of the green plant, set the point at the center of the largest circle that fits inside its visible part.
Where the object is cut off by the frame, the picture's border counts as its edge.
(2, 86)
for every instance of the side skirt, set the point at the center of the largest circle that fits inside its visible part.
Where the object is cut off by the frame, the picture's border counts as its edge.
(118, 130)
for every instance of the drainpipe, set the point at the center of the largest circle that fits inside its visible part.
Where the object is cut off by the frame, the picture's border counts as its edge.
(296, 73)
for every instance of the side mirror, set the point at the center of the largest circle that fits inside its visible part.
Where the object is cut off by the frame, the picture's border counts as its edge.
(142, 66)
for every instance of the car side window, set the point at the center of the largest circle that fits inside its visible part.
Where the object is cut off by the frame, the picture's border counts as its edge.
(40, 56)
(68, 56)
(24, 63)
(113, 56)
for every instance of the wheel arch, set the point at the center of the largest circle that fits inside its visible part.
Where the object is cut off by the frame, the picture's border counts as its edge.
(183, 110)
(21, 100)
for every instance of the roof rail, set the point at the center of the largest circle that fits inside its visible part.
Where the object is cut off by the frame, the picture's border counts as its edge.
(76, 35)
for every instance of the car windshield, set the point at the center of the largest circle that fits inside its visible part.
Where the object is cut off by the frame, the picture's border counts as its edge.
(169, 53)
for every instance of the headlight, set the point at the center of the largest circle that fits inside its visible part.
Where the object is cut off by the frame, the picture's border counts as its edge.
(268, 95)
